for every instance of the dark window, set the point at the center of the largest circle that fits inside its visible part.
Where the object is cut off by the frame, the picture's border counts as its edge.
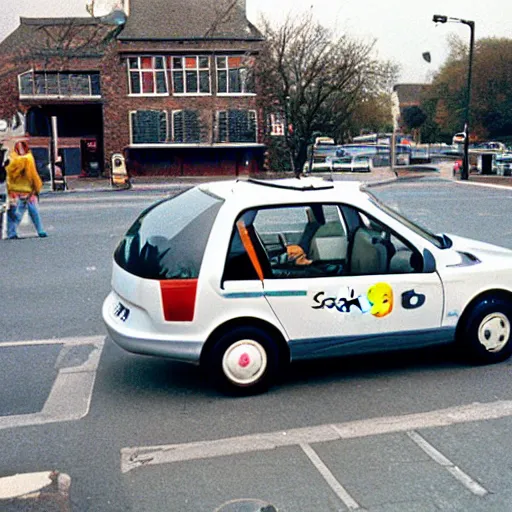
(149, 127)
(178, 82)
(234, 80)
(168, 239)
(223, 126)
(27, 83)
(236, 126)
(94, 83)
(186, 126)
(64, 85)
(191, 75)
(52, 84)
(134, 83)
(235, 74)
(204, 81)
(222, 84)
(40, 82)
(161, 86)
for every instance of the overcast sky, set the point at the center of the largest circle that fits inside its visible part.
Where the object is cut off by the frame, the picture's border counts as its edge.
(403, 30)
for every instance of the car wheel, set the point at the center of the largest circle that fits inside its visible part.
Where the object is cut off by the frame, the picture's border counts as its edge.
(243, 361)
(487, 332)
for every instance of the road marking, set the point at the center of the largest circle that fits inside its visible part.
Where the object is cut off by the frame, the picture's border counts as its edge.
(134, 457)
(82, 340)
(29, 489)
(438, 457)
(339, 490)
(490, 185)
(70, 396)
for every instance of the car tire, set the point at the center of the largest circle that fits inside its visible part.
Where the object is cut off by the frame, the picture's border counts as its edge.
(243, 361)
(486, 334)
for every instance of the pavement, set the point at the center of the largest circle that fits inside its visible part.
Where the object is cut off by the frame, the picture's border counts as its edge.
(443, 170)
(48, 491)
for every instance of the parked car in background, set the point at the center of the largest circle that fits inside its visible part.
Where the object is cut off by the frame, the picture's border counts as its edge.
(491, 145)
(243, 277)
(503, 164)
(352, 163)
(320, 155)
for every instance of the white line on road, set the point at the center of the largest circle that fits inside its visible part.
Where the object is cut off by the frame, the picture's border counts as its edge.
(82, 340)
(438, 457)
(134, 457)
(70, 396)
(489, 185)
(340, 491)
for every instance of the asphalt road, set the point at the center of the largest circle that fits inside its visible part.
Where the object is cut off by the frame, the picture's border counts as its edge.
(415, 431)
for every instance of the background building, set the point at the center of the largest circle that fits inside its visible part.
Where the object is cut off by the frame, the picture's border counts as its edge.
(170, 83)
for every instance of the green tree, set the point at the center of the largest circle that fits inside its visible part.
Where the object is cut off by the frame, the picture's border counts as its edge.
(491, 92)
(413, 117)
(372, 115)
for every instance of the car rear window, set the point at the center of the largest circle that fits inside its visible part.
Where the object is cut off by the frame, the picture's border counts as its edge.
(168, 239)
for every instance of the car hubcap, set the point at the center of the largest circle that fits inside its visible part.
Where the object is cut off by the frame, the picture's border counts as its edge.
(244, 362)
(494, 332)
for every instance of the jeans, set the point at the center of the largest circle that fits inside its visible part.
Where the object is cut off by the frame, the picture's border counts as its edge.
(15, 214)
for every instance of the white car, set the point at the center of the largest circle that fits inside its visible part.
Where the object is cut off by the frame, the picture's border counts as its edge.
(351, 163)
(245, 276)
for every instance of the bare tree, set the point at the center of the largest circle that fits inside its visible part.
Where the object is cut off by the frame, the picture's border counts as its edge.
(315, 80)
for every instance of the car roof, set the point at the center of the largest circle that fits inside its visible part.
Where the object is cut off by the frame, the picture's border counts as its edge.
(252, 192)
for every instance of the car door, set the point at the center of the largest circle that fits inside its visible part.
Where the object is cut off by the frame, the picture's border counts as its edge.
(361, 287)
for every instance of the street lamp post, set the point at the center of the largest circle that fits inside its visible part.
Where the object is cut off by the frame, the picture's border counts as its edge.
(438, 18)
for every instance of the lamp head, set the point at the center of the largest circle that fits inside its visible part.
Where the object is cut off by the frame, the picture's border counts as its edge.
(439, 18)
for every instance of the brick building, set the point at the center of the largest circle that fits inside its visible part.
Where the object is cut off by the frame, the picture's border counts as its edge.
(170, 83)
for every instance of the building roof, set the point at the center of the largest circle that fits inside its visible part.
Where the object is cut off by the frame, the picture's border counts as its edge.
(56, 36)
(188, 20)
(410, 94)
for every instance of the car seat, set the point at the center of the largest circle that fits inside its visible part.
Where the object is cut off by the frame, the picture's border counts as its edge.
(368, 253)
(315, 220)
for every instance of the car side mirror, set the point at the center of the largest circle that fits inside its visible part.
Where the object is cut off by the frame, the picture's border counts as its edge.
(429, 262)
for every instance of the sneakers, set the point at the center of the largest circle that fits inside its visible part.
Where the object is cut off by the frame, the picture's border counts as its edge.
(43, 234)
(15, 237)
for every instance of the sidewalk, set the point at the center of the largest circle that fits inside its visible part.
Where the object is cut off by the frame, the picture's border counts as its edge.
(77, 184)
(443, 170)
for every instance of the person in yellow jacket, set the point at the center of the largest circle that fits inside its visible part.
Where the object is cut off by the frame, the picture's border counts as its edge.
(23, 187)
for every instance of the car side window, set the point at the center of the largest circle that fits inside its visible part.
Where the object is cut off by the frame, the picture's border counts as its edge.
(297, 241)
(375, 249)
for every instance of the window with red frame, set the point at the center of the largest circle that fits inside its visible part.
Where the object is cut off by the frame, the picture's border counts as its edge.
(147, 75)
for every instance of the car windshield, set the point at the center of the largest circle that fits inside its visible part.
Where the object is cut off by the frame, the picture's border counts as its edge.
(439, 241)
(168, 239)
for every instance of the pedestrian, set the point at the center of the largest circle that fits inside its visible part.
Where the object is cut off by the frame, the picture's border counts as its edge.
(23, 187)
